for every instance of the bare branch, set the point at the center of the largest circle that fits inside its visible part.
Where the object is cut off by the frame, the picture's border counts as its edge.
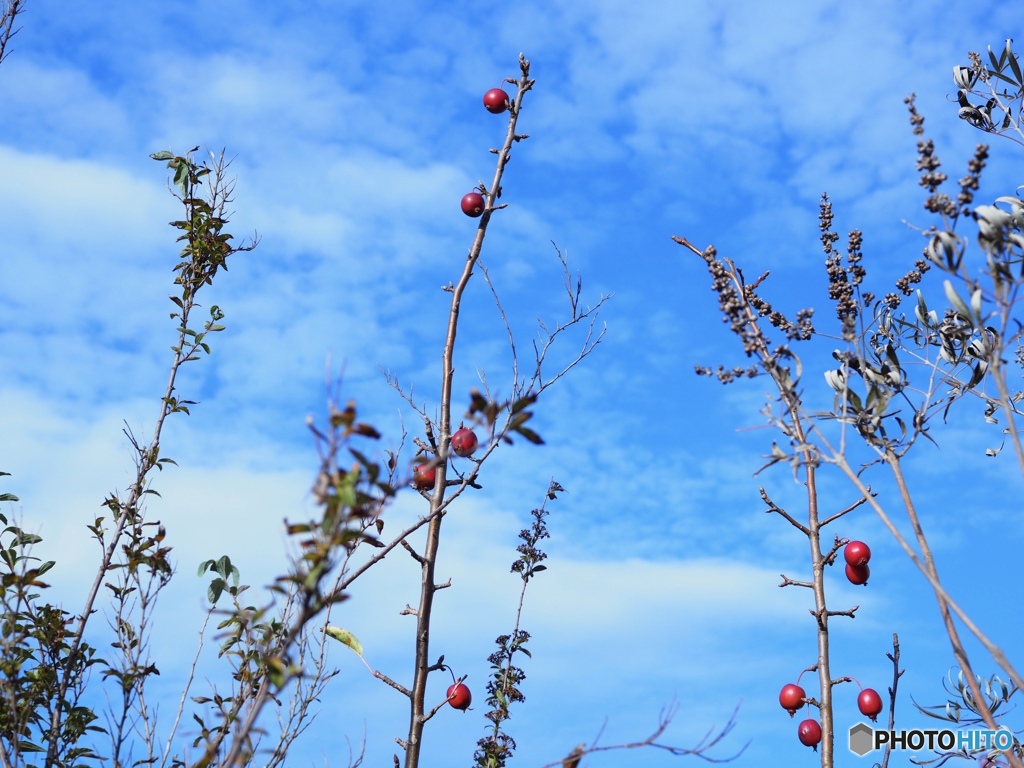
(708, 742)
(8, 14)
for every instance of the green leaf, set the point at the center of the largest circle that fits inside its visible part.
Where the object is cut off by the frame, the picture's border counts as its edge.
(853, 399)
(215, 589)
(523, 403)
(162, 155)
(181, 177)
(345, 637)
(530, 435)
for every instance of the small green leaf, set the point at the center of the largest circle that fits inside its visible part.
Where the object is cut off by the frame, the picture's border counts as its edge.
(181, 177)
(346, 637)
(853, 399)
(216, 588)
(523, 403)
(162, 155)
(530, 435)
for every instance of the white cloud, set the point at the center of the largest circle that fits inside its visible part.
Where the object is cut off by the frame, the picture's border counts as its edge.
(82, 204)
(356, 132)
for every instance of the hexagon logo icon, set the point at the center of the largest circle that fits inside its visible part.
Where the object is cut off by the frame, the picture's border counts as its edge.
(861, 739)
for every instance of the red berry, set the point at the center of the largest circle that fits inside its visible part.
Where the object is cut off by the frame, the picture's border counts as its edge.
(459, 696)
(857, 553)
(473, 204)
(869, 703)
(858, 574)
(792, 698)
(496, 101)
(423, 476)
(464, 442)
(810, 733)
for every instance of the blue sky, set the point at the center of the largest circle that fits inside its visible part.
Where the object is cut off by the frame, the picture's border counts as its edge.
(356, 131)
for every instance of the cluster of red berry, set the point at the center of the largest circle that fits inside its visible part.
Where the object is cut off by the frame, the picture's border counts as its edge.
(857, 555)
(792, 696)
(463, 444)
(496, 102)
